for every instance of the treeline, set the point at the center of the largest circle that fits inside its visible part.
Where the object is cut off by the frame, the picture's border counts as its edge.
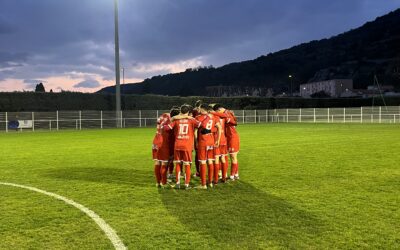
(30, 101)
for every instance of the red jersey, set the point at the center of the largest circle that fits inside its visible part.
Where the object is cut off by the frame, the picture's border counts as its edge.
(167, 136)
(205, 136)
(184, 133)
(222, 140)
(230, 123)
(158, 138)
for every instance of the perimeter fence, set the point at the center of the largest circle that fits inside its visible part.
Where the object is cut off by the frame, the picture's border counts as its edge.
(80, 120)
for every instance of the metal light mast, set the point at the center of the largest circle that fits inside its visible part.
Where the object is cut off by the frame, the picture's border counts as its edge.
(117, 68)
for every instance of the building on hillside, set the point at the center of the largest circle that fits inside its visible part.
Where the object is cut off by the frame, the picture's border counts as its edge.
(333, 88)
(225, 91)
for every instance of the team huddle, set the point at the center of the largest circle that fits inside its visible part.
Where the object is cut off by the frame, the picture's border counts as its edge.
(209, 130)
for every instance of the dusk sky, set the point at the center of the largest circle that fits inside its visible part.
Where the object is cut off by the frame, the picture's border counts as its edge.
(69, 44)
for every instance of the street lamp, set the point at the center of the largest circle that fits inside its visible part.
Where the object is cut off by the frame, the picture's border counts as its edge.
(341, 89)
(117, 68)
(291, 85)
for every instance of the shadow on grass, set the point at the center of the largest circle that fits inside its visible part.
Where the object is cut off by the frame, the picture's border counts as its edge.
(120, 176)
(237, 215)
(240, 216)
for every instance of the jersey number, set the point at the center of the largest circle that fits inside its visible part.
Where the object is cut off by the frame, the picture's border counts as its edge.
(209, 125)
(183, 129)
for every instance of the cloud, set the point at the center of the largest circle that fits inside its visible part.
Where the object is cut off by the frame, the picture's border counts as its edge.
(146, 69)
(47, 39)
(32, 81)
(12, 59)
(5, 27)
(91, 83)
(12, 84)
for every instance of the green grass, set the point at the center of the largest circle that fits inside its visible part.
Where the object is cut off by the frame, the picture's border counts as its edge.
(313, 186)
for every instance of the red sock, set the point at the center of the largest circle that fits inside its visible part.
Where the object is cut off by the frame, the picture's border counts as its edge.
(157, 172)
(178, 173)
(237, 169)
(227, 164)
(203, 170)
(187, 174)
(234, 168)
(164, 174)
(210, 173)
(216, 172)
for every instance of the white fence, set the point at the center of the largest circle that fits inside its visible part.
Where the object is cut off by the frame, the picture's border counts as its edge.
(79, 120)
(338, 115)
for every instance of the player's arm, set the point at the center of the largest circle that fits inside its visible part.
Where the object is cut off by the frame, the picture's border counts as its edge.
(219, 128)
(180, 117)
(222, 115)
(196, 135)
(231, 120)
(168, 126)
(196, 126)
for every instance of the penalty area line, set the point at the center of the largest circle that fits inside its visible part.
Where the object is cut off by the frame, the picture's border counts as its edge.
(109, 231)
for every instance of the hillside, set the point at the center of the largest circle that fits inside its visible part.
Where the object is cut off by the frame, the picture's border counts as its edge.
(357, 54)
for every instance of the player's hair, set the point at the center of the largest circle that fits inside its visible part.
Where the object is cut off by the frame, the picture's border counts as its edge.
(185, 108)
(205, 107)
(217, 106)
(175, 110)
(198, 103)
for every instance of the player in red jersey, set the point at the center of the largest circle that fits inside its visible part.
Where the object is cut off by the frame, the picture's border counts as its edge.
(175, 110)
(196, 110)
(184, 130)
(206, 143)
(158, 150)
(232, 138)
(195, 113)
(221, 152)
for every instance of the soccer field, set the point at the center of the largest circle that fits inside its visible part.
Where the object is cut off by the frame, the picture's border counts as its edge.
(310, 186)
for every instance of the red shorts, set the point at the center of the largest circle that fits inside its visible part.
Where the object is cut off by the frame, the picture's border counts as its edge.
(217, 152)
(164, 154)
(233, 145)
(154, 150)
(205, 153)
(221, 150)
(183, 156)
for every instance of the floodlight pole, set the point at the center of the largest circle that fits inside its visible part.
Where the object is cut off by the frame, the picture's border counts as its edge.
(117, 68)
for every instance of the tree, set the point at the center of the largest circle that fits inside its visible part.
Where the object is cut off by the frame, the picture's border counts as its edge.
(40, 88)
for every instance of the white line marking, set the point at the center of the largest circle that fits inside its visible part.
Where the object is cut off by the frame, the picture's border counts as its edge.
(109, 231)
